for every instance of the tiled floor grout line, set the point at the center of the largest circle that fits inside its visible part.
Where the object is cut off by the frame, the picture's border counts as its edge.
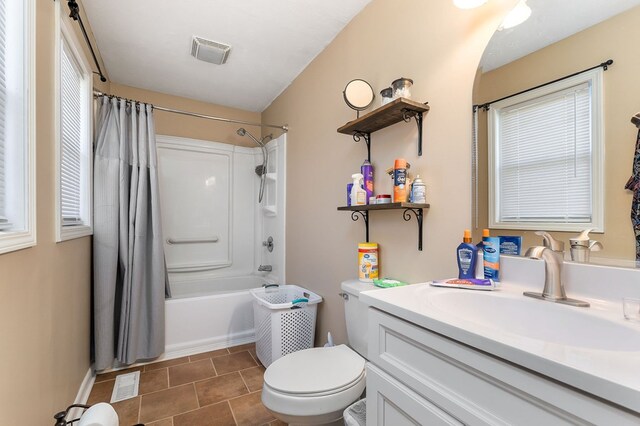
(139, 408)
(232, 413)
(244, 381)
(215, 370)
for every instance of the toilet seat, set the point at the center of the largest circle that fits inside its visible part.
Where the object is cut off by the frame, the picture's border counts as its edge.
(315, 371)
(317, 382)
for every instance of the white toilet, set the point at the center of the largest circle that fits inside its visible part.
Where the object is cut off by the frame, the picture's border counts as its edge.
(314, 386)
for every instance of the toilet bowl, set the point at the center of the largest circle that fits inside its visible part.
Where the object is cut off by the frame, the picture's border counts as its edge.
(314, 386)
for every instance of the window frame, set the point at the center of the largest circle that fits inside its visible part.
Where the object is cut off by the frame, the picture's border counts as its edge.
(26, 237)
(65, 36)
(595, 79)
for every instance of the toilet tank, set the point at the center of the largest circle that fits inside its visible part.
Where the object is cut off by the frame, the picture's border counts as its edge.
(355, 314)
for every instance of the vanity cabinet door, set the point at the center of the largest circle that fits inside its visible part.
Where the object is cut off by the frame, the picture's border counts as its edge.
(477, 388)
(392, 404)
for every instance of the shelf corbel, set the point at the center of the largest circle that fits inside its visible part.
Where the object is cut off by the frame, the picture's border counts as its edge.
(406, 215)
(358, 136)
(407, 114)
(365, 218)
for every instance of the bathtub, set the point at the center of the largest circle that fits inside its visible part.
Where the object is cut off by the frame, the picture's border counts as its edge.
(210, 314)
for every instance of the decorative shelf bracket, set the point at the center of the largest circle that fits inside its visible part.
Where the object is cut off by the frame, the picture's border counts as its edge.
(406, 116)
(358, 136)
(406, 215)
(365, 217)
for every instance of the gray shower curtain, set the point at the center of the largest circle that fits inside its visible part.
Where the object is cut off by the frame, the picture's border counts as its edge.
(128, 259)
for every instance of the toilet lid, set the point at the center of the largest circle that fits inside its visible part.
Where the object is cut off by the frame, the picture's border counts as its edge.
(316, 370)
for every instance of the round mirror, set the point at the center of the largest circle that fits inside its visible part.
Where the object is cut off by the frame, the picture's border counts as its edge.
(358, 94)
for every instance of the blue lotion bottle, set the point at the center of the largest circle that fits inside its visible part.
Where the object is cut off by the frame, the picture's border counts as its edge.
(467, 254)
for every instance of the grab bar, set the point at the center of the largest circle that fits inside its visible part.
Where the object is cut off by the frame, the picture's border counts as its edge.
(192, 240)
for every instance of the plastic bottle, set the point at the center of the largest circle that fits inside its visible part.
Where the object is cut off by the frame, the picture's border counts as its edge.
(467, 255)
(491, 255)
(367, 172)
(358, 195)
(418, 191)
(368, 267)
(400, 180)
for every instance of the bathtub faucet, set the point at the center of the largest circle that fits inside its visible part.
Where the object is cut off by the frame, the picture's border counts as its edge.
(265, 268)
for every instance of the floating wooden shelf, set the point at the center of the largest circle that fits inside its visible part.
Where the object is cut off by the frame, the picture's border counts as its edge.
(391, 206)
(398, 110)
(408, 208)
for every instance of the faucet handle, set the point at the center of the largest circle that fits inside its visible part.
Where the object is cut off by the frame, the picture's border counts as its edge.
(550, 242)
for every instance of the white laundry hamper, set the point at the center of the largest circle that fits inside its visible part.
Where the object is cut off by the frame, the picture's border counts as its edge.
(284, 318)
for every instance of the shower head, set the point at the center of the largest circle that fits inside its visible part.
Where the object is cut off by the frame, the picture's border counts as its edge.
(242, 132)
(260, 170)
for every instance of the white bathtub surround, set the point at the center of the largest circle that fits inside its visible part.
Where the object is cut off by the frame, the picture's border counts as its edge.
(210, 193)
(209, 206)
(594, 350)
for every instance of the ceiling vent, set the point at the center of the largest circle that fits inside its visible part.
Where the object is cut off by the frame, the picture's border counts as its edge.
(210, 51)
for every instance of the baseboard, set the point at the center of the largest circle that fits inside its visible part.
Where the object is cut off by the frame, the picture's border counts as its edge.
(206, 345)
(83, 394)
(192, 348)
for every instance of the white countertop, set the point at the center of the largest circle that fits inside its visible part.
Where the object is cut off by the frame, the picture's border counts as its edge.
(610, 374)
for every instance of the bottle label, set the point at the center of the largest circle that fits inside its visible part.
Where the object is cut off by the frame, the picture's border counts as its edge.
(419, 195)
(465, 256)
(367, 264)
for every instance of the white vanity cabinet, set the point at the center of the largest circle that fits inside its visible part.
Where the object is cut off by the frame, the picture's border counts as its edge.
(417, 376)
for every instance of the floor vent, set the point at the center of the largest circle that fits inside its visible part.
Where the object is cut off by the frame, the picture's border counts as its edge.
(126, 386)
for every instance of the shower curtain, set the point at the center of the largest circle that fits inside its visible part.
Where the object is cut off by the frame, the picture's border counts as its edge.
(128, 261)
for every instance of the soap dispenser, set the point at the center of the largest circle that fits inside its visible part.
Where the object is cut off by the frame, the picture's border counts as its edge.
(582, 246)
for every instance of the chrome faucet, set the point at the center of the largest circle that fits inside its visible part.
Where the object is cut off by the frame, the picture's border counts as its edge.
(265, 268)
(552, 253)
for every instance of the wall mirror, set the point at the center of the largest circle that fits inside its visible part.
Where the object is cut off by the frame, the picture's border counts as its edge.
(560, 39)
(358, 94)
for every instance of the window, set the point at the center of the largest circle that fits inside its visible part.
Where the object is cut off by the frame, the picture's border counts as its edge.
(545, 154)
(17, 131)
(74, 149)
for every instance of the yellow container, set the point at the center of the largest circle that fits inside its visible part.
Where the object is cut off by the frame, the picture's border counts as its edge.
(368, 268)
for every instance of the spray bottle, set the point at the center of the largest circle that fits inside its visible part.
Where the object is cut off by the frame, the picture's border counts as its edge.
(358, 195)
(367, 171)
(467, 256)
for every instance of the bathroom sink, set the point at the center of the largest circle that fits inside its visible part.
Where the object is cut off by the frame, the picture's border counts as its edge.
(539, 320)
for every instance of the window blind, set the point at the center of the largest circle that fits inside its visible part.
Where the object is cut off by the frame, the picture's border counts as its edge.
(71, 135)
(3, 102)
(544, 158)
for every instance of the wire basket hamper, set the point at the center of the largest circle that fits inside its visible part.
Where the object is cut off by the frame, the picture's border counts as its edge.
(284, 319)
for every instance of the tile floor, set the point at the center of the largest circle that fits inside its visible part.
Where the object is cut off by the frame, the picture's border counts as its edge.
(220, 387)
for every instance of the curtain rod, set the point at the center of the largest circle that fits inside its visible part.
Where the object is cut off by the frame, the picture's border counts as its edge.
(605, 66)
(74, 12)
(284, 128)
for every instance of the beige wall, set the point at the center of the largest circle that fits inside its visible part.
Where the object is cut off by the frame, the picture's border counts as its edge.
(609, 39)
(192, 127)
(439, 47)
(45, 290)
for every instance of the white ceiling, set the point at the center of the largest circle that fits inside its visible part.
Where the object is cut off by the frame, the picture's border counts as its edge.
(550, 21)
(147, 44)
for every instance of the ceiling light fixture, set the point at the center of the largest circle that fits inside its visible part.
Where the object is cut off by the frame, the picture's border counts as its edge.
(468, 4)
(517, 16)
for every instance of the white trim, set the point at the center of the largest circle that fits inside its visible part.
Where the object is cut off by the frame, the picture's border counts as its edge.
(597, 157)
(83, 394)
(18, 240)
(65, 34)
(195, 347)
